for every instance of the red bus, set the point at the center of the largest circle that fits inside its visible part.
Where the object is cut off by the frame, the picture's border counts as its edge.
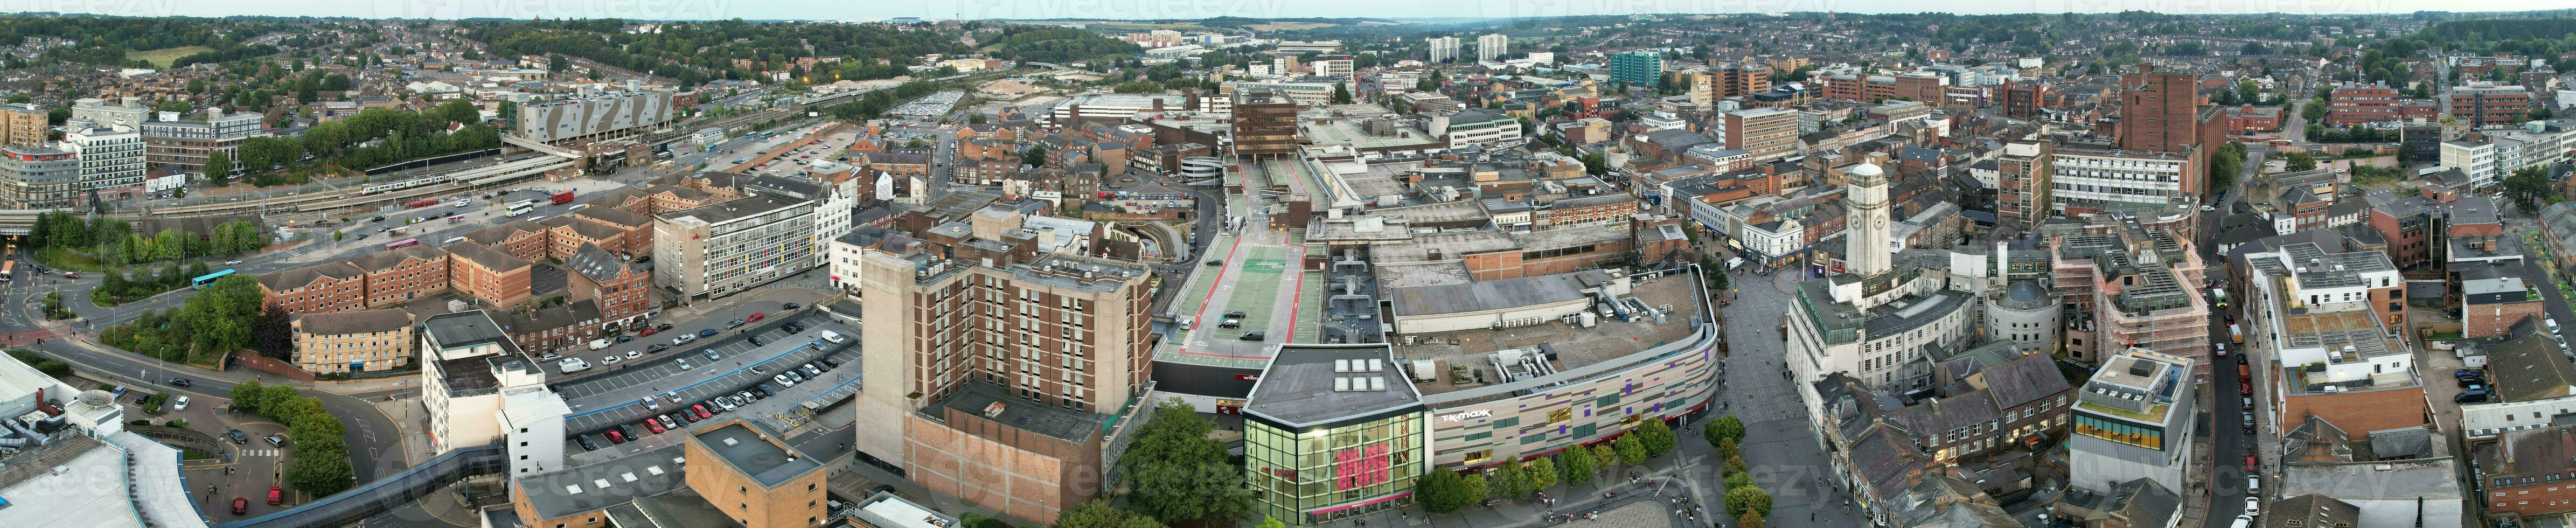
(7, 269)
(398, 244)
(421, 203)
(562, 197)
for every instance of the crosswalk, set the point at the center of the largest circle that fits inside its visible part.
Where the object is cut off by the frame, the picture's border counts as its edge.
(259, 452)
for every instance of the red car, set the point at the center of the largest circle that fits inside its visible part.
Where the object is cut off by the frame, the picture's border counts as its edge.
(647, 332)
(654, 424)
(2252, 464)
(615, 437)
(241, 506)
(2245, 388)
(276, 495)
(71, 275)
(702, 411)
(755, 316)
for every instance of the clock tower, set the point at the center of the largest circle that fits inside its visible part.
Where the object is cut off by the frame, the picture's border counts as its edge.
(1865, 189)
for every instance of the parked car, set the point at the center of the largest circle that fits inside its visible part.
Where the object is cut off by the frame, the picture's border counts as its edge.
(237, 436)
(614, 437)
(827, 363)
(712, 355)
(2252, 464)
(755, 316)
(783, 380)
(648, 332)
(662, 326)
(275, 440)
(586, 443)
(657, 347)
(654, 424)
(241, 506)
(684, 364)
(756, 341)
(2466, 373)
(276, 495)
(549, 356)
(625, 338)
(596, 344)
(707, 333)
(232, 263)
(610, 359)
(790, 306)
(701, 409)
(2253, 505)
(726, 402)
(632, 354)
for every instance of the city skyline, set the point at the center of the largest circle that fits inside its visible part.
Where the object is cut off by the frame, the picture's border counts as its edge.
(998, 9)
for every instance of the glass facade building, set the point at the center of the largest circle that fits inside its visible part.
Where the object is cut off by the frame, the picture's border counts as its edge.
(1316, 475)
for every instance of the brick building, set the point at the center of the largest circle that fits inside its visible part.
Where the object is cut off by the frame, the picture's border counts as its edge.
(2158, 112)
(2490, 307)
(496, 278)
(622, 287)
(2353, 104)
(566, 235)
(2483, 103)
(325, 287)
(560, 328)
(397, 276)
(517, 238)
(2527, 473)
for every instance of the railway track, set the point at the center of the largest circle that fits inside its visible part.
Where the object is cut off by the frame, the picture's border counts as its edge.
(324, 204)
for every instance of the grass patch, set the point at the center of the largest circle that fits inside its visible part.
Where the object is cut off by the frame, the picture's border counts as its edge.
(63, 259)
(161, 58)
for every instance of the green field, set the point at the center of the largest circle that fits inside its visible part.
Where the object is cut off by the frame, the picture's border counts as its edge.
(161, 57)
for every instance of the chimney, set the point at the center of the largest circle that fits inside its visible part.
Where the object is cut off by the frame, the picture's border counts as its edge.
(2491, 244)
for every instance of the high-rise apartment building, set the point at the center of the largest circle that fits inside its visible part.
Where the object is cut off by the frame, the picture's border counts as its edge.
(1637, 68)
(999, 364)
(24, 125)
(1490, 48)
(2023, 99)
(111, 158)
(1443, 48)
(37, 176)
(2158, 112)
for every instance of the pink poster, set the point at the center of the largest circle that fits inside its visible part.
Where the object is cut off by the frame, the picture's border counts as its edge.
(1361, 466)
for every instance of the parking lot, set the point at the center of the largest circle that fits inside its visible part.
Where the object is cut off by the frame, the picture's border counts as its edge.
(619, 399)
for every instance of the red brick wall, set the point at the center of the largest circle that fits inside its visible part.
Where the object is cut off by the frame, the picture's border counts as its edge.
(271, 365)
(324, 294)
(2494, 320)
(404, 282)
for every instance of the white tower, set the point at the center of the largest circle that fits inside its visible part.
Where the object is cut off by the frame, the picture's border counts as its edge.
(1865, 188)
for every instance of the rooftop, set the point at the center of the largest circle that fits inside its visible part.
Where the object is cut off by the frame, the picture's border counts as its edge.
(1313, 384)
(352, 322)
(997, 404)
(767, 461)
(590, 487)
(732, 210)
(1562, 347)
(1494, 294)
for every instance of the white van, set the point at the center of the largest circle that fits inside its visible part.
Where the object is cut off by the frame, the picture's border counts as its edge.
(596, 344)
(834, 337)
(572, 365)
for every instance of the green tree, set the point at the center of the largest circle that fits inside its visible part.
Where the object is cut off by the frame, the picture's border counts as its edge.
(246, 396)
(1270, 522)
(2314, 111)
(1541, 472)
(1738, 480)
(1576, 465)
(1441, 491)
(1176, 472)
(219, 166)
(1724, 427)
(1748, 499)
(1606, 455)
(1631, 450)
(1594, 165)
(1513, 481)
(2527, 185)
(1726, 448)
(1477, 488)
(1341, 93)
(1751, 520)
(1035, 157)
(1655, 436)
(1098, 514)
(319, 473)
(2299, 161)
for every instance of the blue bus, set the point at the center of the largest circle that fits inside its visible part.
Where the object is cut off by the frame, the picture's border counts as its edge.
(210, 278)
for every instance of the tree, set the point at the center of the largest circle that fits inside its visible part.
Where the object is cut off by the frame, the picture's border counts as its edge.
(2527, 185)
(1724, 427)
(272, 334)
(1541, 472)
(1655, 436)
(246, 396)
(1266, 522)
(1341, 93)
(1098, 514)
(1750, 520)
(1606, 455)
(319, 473)
(2300, 161)
(556, 63)
(1441, 492)
(1513, 481)
(1576, 465)
(219, 165)
(975, 119)
(1727, 448)
(1631, 450)
(2225, 164)
(1737, 480)
(1477, 488)
(1035, 157)
(1175, 472)
(1748, 499)
(1594, 165)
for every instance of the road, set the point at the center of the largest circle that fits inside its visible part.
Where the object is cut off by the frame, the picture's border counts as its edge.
(2221, 421)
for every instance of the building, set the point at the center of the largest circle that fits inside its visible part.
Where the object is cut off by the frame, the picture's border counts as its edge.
(2421, 228)
(2025, 190)
(466, 361)
(1873, 322)
(351, 342)
(319, 288)
(559, 328)
(2085, 180)
(1119, 107)
(2520, 474)
(111, 158)
(2488, 156)
(488, 274)
(603, 115)
(2483, 104)
(734, 456)
(2354, 103)
(25, 125)
(1492, 47)
(74, 464)
(2133, 420)
(38, 177)
(1764, 134)
(1643, 69)
(1475, 127)
(728, 247)
(2026, 314)
(2024, 99)
(2132, 287)
(1265, 124)
(1333, 432)
(397, 276)
(1080, 325)
(622, 288)
(1442, 49)
(2159, 112)
(172, 142)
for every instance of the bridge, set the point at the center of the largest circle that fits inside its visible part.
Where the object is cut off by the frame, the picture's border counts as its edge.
(386, 494)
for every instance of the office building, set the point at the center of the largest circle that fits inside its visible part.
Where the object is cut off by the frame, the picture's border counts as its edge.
(2024, 99)
(172, 142)
(2354, 103)
(1719, 82)
(1474, 127)
(2087, 179)
(1641, 69)
(2024, 192)
(2482, 104)
(1873, 322)
(351, 342)
(1764, 134)
(2133, 420)
(2489, 156)
(1338, 66)
(732, 246)
(1443, 49)
(38, 177)
(1265, 124)
(1492, 47)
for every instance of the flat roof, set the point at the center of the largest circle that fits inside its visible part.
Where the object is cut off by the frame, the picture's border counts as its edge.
(1312, 384)
(884, 510)
(1565, 347)
(976, 397)
(1494, 294)
(49, 499)
(755, 454)
(736, 209)
(590, 487)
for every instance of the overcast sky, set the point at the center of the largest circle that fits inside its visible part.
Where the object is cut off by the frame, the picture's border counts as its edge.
(1137, 9)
